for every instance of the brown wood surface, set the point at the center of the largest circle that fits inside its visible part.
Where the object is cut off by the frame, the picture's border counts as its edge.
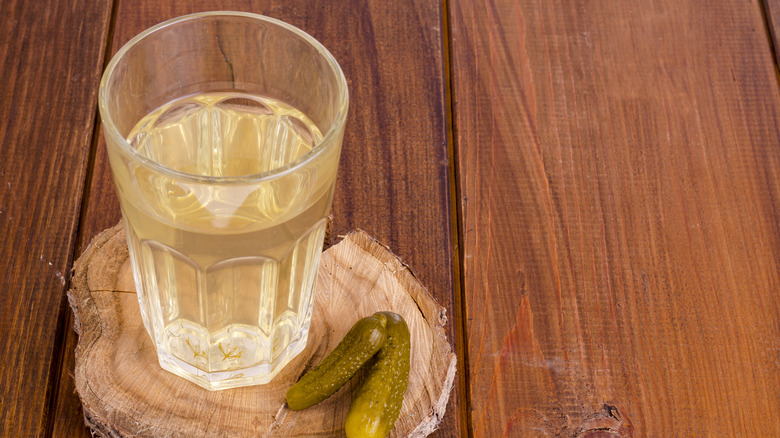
(393, 175)
(619, 184)
(51, 53)
(102, 212)
(125, 393)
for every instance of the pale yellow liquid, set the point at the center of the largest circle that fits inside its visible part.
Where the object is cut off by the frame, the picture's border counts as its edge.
(226, 270)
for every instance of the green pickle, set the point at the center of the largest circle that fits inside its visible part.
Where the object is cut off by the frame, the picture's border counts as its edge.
(376, 405)
(362, 341)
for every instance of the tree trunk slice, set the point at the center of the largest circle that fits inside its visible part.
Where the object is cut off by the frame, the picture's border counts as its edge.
(125, 393)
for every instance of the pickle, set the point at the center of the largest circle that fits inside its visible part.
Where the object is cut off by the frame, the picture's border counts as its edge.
(376, 405)
(362, 341)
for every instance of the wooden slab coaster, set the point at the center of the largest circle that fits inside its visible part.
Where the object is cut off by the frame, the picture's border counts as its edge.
(125, 393)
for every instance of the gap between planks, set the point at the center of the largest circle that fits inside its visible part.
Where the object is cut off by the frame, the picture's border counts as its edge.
(65, 318)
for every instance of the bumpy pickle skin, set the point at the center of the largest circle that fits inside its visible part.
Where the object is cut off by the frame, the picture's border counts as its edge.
(362, 342)
(376, 405)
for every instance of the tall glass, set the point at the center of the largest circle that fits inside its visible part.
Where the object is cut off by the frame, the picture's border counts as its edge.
(224, 131)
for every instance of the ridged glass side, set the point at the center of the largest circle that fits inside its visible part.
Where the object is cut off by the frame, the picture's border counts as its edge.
(240, 317)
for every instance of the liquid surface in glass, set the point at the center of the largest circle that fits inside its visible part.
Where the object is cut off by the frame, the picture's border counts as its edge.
(227, 270)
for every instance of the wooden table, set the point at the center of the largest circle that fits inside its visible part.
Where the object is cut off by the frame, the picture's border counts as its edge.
(591, 188)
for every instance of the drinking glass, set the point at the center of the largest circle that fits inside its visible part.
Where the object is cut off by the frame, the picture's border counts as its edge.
(224, 132)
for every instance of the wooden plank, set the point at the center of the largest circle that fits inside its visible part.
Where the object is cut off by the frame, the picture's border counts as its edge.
(619, 181)
(51, 54)
(102, 213)
(393, 179)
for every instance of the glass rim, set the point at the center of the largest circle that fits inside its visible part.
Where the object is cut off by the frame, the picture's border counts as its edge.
(110, 129)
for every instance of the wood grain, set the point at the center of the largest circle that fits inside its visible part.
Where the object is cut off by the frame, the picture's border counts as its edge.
(50, 53)
(125, 393)
(393, 177)
(102, 212)
(619, 180)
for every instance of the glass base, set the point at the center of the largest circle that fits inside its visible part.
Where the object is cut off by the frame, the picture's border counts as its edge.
(258, 375)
